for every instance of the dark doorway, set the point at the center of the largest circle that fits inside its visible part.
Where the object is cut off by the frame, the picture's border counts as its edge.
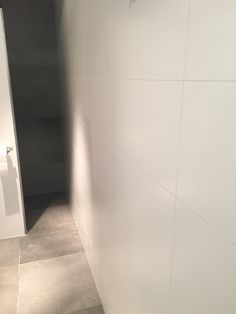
(33, 59)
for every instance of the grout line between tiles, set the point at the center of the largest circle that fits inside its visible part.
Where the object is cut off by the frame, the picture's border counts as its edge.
(148, 80)
(175, 206)
(78, 223)
(178, 157)
(108, 198)
(116, 149)
(54, 257)
(195, 213)
(140, 168)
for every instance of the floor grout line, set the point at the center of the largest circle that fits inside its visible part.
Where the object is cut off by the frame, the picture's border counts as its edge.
(52, 257)
(20, 286)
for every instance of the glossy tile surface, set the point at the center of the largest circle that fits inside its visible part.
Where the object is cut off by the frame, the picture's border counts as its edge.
(76, 66)
(96, 108)
(76, 16)
(146, 123)
(98, 45)
(211, 44)
(204, 273)
(146, 215)
(146, 133)
(207, 156)
(146, 33)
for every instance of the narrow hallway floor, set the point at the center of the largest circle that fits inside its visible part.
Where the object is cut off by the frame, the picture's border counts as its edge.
(47, 272)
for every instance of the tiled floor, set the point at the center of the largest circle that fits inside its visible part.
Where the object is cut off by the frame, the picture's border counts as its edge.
(46, 272)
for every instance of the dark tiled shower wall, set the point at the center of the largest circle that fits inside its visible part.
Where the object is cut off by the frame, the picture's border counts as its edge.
(32, 53)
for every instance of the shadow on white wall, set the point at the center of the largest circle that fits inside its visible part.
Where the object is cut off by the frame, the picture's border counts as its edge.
(10, 189)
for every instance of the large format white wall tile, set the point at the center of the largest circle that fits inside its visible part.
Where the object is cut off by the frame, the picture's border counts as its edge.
(97, 107)
(97, 218)
(76, 98)
(101, 163)
(77, 17)
(93, 160)
(105, 231)
(146, 123)
(81, 140)
(126, 96)
(77, 56)
(212, 40)
(150, 293)
(97, 46)
(134, 285)
(204, 272)
(146, 214)
(93, 8)
(149, 38)
(207, 177)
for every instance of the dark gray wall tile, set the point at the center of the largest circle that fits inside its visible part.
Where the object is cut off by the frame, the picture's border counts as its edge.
(30, 36)
(27, 4)
(33, 58)
(36, 91)
(43, 177)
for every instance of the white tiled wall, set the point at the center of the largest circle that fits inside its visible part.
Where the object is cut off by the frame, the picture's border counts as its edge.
(152, 103)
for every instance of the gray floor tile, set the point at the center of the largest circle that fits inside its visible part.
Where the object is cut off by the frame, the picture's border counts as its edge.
(41, 218)
(46, 211)
(50, 242)
(9, 252)
(8, 289)
(91, 310)
(57, 285)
